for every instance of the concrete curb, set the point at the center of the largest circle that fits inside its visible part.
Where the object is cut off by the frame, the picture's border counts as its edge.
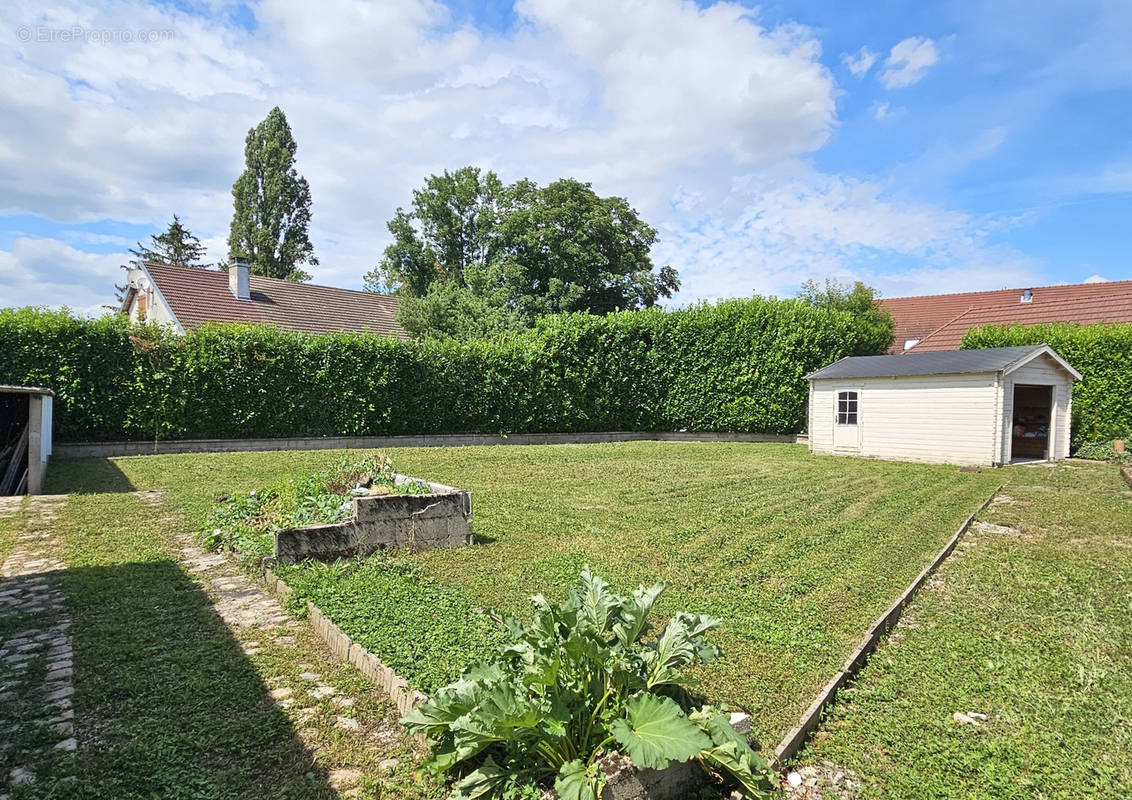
(116, 449)
(344, 648)
(800, 733)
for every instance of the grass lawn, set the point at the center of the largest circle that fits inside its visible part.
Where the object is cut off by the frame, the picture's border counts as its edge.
(168, 703)
(1031, 627)
(797, 554)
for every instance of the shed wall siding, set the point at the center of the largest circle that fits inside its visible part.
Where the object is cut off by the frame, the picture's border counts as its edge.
(1042, 371)
(939, 418)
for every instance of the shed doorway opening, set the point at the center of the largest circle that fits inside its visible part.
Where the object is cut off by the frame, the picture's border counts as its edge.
(1033, 423)
(13, 443)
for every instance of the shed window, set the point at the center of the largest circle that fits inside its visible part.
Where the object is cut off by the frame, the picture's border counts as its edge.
(846, 408)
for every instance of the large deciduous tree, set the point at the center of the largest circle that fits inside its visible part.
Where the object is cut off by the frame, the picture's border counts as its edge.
(473, 256)
(874, 323)
(272, 205)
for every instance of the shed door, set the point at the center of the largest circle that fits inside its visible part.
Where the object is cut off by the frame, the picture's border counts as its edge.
(846, 427)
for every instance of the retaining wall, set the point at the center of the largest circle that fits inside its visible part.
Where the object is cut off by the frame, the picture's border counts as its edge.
(442, 518)
(116, 449)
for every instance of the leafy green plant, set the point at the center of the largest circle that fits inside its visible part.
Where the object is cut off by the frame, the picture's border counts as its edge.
(245, 523)
(585, 677)
(1103, 451)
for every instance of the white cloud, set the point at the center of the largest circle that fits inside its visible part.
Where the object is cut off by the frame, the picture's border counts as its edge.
(1096, 279)
(47, 272)
(702, 116)
(908, 62)
(772, 233)
(885, 110)
(860, 62)
(1115, 178)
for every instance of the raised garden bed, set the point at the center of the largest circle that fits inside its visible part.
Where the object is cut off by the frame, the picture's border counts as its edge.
(442, 517)
(353, 509)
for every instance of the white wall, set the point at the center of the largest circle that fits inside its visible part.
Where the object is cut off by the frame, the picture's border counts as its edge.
(939, 418)
(157, 310)
(1042, 371)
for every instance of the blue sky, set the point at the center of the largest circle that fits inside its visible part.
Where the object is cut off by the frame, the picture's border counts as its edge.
(920, 147)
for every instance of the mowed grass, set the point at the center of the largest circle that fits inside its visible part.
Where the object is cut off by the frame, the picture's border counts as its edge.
(1032, 628)
(796, 553)
(167, 703)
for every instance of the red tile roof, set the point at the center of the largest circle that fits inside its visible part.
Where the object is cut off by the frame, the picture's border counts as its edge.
(917, 317)
(1084, 310)
(197, 296)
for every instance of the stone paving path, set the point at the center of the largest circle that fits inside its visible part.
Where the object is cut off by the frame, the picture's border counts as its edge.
(36, 717)
(347, 727)
(313, 700)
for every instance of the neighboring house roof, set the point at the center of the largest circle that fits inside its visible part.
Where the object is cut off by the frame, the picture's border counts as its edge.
(919, 317)
(1085, 310)
(197, 296)
(949, 362)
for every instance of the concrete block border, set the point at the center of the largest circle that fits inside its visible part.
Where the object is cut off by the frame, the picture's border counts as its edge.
(626, 783)
(344, 648)
(116, 449)
(797, 736)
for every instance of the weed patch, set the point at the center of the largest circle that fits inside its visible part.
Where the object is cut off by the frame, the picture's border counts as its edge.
(426, 632)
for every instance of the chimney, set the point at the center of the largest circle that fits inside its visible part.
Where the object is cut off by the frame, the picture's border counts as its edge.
(1027, 296)
(238, 280)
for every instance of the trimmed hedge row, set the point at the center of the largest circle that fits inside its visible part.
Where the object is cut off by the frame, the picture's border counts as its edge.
(1102, 400)
(734, 366)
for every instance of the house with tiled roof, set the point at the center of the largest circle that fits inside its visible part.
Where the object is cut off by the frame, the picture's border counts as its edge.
(938, 322)
(186, 297)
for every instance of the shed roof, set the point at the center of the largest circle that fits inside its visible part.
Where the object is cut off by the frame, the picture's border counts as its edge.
(947, 362)
(8, 389)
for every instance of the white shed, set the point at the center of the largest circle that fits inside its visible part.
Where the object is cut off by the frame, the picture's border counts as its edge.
(975, 407)
(25, 438)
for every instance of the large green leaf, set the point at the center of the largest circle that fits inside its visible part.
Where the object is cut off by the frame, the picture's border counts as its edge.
(634, 613)
(731, 754)
(575, 782)
(598, 602)
(680, 644)
(434, 716)
(506, 706)
(481, 782)
(656, 732)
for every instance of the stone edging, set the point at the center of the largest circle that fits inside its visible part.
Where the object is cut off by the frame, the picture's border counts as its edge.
(115, 449)
(800, 733)
(1126, 472)
(344, 648)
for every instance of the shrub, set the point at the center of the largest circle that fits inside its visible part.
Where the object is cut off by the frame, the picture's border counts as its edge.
(246, 523)
(1104, 451)
(583, 677)
(734, 366)
(1102, 399)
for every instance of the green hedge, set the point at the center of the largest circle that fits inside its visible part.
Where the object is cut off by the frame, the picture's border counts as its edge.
(1102, 400)
(734, 366)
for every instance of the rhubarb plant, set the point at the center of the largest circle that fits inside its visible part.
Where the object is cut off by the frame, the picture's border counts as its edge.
(582, 679)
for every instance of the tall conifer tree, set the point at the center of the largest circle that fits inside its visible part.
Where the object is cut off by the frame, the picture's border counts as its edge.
(272, 205)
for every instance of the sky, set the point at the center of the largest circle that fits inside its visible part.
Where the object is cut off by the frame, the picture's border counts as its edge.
(921, 147)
